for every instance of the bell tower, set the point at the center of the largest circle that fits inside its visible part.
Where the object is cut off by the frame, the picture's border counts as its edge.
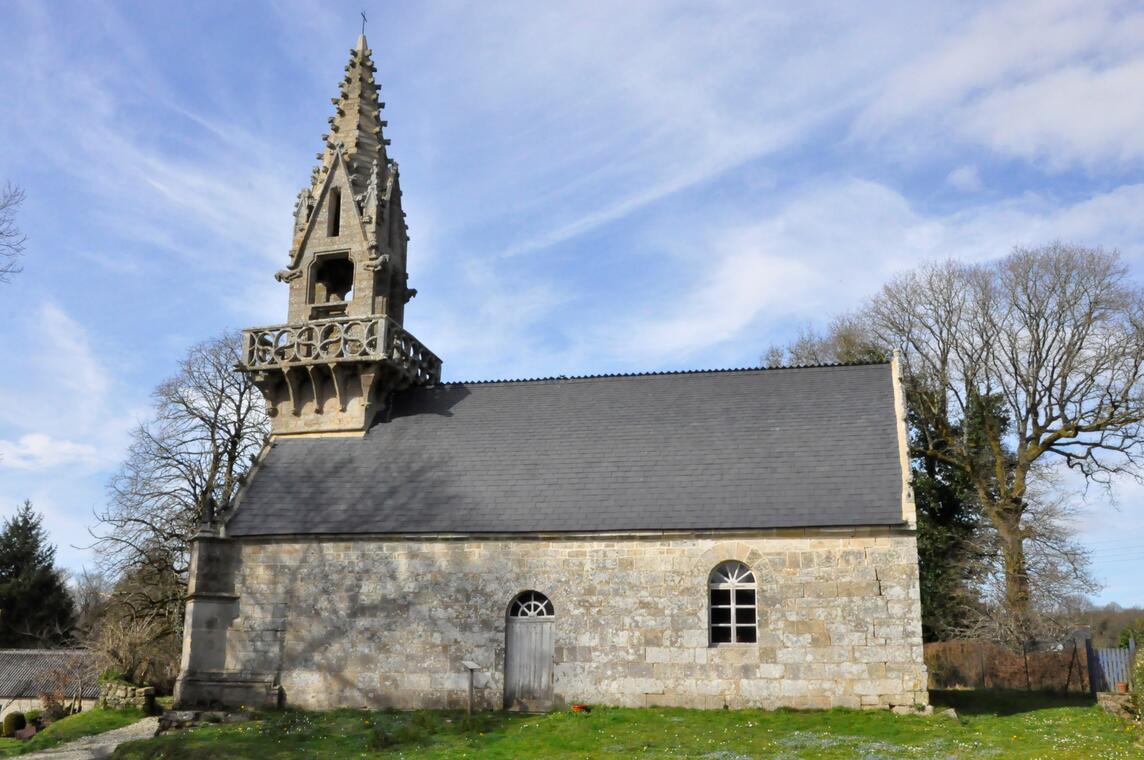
(344, 349)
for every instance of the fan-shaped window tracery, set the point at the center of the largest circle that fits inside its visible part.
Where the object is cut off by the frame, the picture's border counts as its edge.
(731, 604)
(531, 604)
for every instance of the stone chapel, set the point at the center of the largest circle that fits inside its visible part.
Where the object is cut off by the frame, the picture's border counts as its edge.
(671, 538)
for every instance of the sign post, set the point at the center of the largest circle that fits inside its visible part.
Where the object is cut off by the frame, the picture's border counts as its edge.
(472, 667)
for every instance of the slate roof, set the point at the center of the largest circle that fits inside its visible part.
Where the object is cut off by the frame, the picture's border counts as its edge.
(26, 673)
(733, 449)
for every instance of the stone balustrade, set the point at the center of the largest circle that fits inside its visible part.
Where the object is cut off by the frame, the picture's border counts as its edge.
(340, 340)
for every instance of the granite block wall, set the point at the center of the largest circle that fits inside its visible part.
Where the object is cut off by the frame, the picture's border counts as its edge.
(387, 623)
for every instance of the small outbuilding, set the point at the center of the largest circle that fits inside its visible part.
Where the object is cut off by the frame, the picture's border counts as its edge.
(72, 675)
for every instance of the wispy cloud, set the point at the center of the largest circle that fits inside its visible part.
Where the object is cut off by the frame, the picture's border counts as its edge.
(827, 249)
(37, 451)
(159, 172)
(1054, 82)
(577, 116)
(59, 391)
(1038, 120)
(965, 178)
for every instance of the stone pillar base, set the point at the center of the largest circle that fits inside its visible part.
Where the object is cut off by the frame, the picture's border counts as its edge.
(225, 690)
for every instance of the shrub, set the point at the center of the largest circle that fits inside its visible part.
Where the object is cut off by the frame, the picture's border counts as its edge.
(1132, 631)
(52, 710)
(13, 722)
(111, 675)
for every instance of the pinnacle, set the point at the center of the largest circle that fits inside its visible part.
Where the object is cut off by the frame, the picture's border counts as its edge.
(356, 121)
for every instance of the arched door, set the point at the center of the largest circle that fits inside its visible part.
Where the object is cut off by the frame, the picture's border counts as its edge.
(530, 640)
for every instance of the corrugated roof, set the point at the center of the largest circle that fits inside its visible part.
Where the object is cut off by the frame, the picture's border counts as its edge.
(738, 449)
(27, 673)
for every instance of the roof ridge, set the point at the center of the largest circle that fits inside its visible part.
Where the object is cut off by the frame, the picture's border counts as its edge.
(660, 373)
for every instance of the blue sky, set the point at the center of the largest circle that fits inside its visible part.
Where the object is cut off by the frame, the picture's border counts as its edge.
(590, 187)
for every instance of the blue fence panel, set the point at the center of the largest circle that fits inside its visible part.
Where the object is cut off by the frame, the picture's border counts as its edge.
(1108, 667)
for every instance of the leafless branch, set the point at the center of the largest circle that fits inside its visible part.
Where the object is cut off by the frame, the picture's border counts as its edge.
(184, 465)
(11, 239)
(1010, 364)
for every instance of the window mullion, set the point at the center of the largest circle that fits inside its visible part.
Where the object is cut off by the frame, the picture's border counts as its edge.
(734, 630)
(730, 578)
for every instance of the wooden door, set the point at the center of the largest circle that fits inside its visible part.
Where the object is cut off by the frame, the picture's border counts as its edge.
(530, 640)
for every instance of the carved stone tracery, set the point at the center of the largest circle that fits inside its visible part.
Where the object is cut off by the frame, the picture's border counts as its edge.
(344, 350)
(339, 360)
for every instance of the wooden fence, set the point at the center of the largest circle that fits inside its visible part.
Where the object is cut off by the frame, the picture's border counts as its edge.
(1108, 667)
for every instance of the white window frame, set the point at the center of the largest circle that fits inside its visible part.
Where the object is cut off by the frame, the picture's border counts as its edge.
(732, 576)
(531, 604)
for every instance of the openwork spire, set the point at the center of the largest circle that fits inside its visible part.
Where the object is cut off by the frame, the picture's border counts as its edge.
(356, 126)
(344, 349)
(356, 163)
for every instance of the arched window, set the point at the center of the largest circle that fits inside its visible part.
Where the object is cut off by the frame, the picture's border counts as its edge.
(531, 604)
(333, 279)
(731, 604)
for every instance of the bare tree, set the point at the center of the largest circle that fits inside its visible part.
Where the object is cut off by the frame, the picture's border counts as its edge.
(1012, 363)
(138, 635)
(847, 340)
(61, 688)
(1056, 566)
(140, 650)
(184, 465)
(92, 594)
(11, 239)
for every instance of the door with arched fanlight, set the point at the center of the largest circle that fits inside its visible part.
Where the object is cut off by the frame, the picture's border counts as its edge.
(529, 652)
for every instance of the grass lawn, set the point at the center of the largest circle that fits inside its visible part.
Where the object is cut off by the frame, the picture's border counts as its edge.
(72, 727)
(1013, 724)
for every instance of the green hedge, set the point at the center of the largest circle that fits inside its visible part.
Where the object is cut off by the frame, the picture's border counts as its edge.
(13, 722)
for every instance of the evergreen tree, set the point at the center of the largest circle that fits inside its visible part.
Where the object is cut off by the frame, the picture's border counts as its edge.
(36, 608)
(949, 534)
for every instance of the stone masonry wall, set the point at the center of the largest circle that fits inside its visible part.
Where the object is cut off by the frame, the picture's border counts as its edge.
(388, 622)
(116, 695)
